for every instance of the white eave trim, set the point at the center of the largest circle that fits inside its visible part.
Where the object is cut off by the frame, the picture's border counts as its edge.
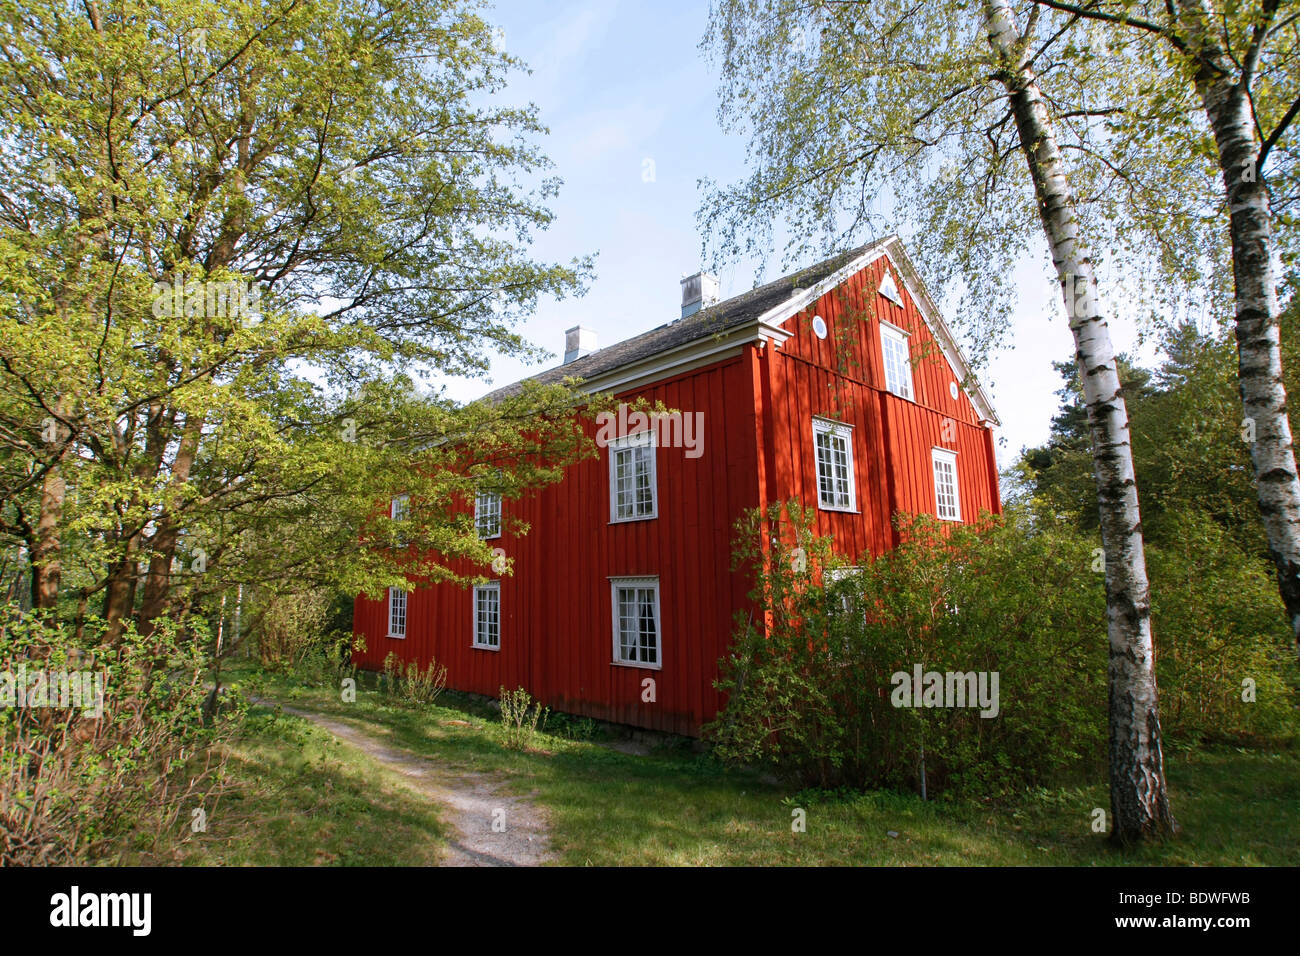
(683, 358)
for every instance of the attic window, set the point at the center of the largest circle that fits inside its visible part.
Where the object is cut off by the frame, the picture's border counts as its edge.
(898, 363)
(889, 288)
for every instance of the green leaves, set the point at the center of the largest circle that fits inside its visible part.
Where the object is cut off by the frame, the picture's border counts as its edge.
(354, 170)
(891, 118)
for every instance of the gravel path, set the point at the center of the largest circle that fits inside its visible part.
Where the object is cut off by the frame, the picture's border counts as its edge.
(489, 826)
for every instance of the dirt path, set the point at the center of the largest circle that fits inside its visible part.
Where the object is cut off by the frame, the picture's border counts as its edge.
(489, 826)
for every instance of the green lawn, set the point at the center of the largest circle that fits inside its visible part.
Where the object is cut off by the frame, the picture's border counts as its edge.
(299, 797)
(306, 800)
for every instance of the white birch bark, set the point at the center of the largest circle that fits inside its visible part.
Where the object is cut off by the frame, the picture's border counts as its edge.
(1222, 86)
(1139, 799)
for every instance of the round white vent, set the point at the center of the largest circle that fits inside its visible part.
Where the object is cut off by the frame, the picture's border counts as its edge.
(819, 326)
(952, 389)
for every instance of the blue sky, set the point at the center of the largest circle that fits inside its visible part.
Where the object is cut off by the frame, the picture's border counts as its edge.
(624, 89)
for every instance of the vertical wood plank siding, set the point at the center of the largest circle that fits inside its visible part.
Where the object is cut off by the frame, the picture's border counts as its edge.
(758, 406)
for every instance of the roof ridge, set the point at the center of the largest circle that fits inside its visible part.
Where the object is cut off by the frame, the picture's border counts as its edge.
(722, 315)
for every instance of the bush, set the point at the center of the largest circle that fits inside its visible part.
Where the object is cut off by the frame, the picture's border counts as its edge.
(73, 786)
(1219, 622)
(572, 727)
(327, 663)
(520, 715)
(813, 693)
(293, 629)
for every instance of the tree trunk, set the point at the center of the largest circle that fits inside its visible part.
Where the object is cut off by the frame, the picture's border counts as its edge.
(1219, 82)
(119, 590)
(46, 566)
(1138, 796)
(158, 581)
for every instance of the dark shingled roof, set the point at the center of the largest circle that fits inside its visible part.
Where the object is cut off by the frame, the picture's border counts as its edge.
(721, 317)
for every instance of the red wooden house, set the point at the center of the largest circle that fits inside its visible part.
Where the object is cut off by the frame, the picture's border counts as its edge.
(839, 385)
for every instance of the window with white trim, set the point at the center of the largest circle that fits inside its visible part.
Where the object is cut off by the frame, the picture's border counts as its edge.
(636, 621)
(947, 504)
(399, 510)
(898, 363)
(633, 481)
(487, 514)
(487, 615)
(396, 612)
(833, 447)
(838, 582)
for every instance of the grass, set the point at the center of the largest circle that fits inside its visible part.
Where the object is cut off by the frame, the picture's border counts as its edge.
(316, 801)
(300, 797)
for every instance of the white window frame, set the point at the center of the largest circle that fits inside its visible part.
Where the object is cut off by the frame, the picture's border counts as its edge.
(487, 506)
(492, 587)
(405, 607)
(831, 577)
(399, 509)
(640, 439)
(948, 457)
(641, 581)
(892, 333)
(838, 430)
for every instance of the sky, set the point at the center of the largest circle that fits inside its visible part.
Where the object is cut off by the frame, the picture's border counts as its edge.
(631, 104)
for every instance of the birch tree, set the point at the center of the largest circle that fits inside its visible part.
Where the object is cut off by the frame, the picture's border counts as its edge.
(1243, 60)
(933, 115)
(1139, 801)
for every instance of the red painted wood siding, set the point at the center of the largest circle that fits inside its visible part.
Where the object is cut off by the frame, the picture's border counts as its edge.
(842, 376)
(556, 615)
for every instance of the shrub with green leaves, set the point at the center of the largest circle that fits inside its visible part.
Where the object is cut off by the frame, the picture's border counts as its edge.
(810, 681)
(409, 684)
(77, 786)
(1225, 661)
(812, 692)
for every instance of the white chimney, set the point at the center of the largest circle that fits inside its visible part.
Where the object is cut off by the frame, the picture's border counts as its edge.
(698, 292)
(578, 341)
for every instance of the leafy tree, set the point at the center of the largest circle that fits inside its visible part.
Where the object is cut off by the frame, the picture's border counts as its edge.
(1215, 602)
(233, 239)
(1188, 456)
